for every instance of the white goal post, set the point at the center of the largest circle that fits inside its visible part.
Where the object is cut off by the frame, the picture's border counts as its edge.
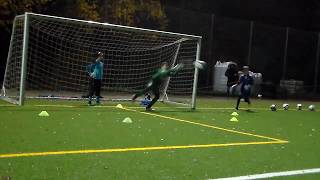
(48, 56)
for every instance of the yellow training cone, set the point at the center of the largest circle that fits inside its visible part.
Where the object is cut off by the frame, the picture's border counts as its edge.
(234, 119)
(234, 114)
(119, 106)
(43, 113)
(127, 120)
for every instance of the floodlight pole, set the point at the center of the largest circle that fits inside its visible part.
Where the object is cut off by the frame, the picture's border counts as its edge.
(211, 36)
(316, 67)
(250, 42)
(24, 59)
(285, 56)
(195, 79)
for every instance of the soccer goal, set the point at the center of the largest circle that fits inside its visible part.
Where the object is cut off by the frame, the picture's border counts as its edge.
(48, 56)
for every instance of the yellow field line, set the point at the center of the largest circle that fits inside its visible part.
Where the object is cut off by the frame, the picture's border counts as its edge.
(181, 120)
(134, 149)
(205, 125)
(274, 140)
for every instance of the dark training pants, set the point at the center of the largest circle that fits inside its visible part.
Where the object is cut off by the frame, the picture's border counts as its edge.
(245, 96)
(94, 88)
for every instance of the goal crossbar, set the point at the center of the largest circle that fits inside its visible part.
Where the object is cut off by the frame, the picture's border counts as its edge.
(114, 26)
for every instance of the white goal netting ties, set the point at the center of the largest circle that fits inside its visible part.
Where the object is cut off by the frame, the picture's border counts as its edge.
(58, 50)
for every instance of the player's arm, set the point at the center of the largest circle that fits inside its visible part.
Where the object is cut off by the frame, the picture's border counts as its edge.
(239, 82)
(89, 69)
(93, 71)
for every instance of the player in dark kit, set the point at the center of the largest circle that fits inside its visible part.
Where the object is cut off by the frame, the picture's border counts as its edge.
(232, 75)
(246, 82)
(156, 81)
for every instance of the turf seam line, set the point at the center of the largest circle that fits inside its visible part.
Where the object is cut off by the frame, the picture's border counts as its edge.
(209, 126)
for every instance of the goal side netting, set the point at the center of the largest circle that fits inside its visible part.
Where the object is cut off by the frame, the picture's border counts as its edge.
(48, 57)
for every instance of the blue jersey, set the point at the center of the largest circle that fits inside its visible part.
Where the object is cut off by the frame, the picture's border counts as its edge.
(246, 82)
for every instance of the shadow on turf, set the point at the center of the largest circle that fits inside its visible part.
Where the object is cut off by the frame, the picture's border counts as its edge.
(248, 110)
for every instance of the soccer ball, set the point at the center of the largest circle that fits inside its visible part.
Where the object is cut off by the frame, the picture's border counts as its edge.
(299, 106)
(285, 106)
(273, 107)
(259, 95)
(311, 107)
(200, 64)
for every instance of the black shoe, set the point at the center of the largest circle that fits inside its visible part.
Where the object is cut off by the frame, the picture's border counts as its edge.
(134, 97)
(149, 109)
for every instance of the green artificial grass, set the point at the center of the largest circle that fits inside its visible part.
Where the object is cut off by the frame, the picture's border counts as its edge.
(73, 126)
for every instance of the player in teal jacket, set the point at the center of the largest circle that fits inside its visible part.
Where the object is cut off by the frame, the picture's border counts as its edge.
(95, 71)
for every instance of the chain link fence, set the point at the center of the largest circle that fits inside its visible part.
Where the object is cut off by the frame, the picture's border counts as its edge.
(288, 58)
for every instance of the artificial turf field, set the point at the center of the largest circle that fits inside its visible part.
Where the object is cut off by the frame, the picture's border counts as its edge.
(172, 142)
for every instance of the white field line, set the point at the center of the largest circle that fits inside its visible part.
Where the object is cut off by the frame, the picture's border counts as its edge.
(273, 174)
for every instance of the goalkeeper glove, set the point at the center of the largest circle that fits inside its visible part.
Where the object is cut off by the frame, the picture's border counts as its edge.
(177, 68)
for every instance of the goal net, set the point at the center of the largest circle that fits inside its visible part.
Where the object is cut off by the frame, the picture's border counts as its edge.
(48, 57)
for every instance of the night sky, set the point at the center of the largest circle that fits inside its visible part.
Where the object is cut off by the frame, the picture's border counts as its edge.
(297, 14)
(301, 14)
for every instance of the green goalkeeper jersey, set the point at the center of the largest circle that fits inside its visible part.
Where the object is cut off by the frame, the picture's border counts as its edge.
(160, 75)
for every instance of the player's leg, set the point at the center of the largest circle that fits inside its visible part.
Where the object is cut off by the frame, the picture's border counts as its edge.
(97, 90)
(238, 102)
(156, 93)
(135, 96)
(91, 91)
(147, 89)
(246, 95)
(246, 99)
(228, 90)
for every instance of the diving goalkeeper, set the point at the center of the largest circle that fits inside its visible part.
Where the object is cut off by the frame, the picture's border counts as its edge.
(156, 80)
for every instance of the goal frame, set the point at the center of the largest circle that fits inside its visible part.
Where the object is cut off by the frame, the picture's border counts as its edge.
(24, 56)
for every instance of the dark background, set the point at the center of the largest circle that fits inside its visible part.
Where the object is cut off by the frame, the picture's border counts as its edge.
(225, 28)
